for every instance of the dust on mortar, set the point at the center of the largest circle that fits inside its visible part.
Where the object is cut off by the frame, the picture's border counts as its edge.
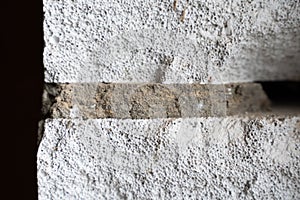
(104, 101)
(161, 102)
(57, 100)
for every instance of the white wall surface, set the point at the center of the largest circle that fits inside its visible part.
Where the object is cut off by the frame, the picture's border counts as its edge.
(140, 41)
(196, 158)
(145, 41)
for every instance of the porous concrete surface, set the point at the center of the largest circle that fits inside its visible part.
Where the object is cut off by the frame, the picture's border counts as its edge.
(217, 41)
(196, 158)
(94, 48)
(142, 101)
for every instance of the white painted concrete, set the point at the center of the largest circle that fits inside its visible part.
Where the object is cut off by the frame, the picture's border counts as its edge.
(145, 41)
(196, 158)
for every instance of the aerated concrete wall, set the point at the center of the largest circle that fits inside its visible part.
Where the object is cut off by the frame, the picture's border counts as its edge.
(149, 41)
(157, 100)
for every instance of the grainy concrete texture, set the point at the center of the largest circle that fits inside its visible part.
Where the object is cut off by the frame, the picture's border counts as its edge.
(142, 101)
(155, 99)
(198, 158)
(149, 41)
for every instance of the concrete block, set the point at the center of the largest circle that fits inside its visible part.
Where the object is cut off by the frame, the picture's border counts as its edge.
(148, 100)
(197, 41)
(142, 101)
(198, 158)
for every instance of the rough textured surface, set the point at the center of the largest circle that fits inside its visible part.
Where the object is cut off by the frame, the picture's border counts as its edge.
(147, 41)
(198, 158)
(142, 101)
(167, 50)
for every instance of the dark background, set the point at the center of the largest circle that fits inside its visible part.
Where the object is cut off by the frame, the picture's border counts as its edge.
(22, 82)
(285, 93)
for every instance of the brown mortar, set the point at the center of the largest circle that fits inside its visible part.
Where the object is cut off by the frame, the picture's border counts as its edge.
(153, 100)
